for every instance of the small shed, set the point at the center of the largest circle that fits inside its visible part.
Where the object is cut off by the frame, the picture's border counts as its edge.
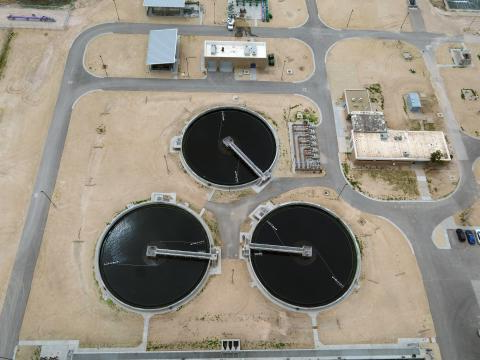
(162, 49)
(413, 102)
(172, 8)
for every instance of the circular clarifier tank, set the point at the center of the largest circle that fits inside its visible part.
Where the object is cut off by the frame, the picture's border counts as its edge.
(160, 282)
(206, 156)
(305, 282)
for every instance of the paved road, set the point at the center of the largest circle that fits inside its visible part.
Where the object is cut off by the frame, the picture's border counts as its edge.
(447, 275)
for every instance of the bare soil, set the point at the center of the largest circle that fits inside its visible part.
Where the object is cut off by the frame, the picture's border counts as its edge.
(442, 179)
(241, 311)
(286, 13)
(117, 152)
(229, 307)
(467, 112)
(349, 66)
(367, 14)
(391, 301)
(125, 56)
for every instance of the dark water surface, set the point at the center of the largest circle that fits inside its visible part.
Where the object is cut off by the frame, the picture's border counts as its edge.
(207, 157)
(153, 283)
(299, 281)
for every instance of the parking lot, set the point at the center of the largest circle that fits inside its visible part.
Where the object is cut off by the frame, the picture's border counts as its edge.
(455, 243)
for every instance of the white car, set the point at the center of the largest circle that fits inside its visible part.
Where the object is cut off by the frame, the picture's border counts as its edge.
(477, 234)
(230, 23)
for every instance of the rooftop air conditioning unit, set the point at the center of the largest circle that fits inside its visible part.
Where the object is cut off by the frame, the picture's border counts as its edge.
(213, 49)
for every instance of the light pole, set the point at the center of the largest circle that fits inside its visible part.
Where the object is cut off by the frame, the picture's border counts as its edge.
(403, 23)
(104, 66)
(349, 18)
(283, 68)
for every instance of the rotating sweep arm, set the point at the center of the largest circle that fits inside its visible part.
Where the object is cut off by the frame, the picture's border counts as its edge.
(305, 251)
(229, 143)
(153, 251)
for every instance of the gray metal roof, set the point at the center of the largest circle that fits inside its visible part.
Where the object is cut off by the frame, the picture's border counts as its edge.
(165, 3)
(162, 47)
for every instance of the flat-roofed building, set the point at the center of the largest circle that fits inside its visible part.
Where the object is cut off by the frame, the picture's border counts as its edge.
(413, 102)
(399, 145)
(357, 100)
(172, 8)
(226, 55)
(368, 121)
(162, 50)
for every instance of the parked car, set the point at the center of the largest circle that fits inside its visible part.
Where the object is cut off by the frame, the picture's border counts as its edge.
(230, 23)
(470, 237)
(461, 235)
(477, 232)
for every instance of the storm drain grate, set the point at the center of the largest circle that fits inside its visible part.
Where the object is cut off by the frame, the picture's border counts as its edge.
(230, 345)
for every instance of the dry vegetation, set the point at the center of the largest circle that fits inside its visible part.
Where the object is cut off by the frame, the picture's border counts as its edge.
(384, 182)
(442, 179)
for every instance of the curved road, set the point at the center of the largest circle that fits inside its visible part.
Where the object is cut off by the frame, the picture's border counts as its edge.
(447, 274)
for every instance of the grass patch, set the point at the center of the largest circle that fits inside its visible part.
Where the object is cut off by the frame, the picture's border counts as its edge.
(415, 125)
(45, 3)
(5, 51)
(376, 95)
(213, 226)
(207, 344)
(355, 183)
(401, 180)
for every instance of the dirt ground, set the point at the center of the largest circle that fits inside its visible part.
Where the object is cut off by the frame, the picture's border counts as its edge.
(389, 15)
(467, 112)
(103, 169)
(447, 22)
(349, 66)
(238, 311)
(30, 87)
(132, 50)
(389, 271)
(386, 182)
(442, 179)
(29, 92)
(367, 14)
(286, 13)
(391, 302)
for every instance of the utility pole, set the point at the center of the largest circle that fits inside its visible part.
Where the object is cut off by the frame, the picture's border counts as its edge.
(349, 18)
(166, 163)
(283, 68)
(403, 23)
(49, 199)
(116, 9)
(104, 67)
(214, 21)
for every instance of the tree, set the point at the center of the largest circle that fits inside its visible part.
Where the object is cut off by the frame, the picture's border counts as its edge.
(436, 156)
